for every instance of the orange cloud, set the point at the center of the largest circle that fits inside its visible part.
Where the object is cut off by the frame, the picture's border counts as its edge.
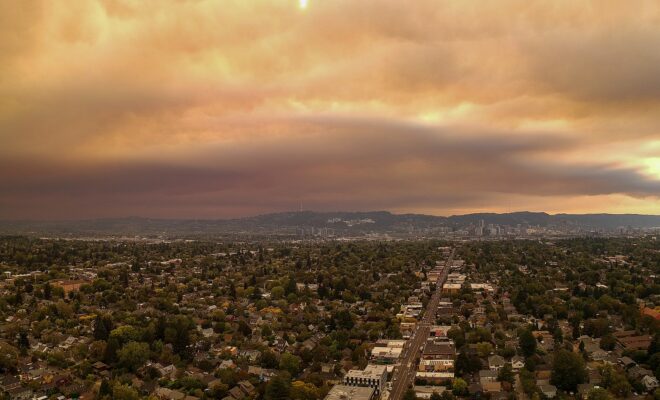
(370, 95)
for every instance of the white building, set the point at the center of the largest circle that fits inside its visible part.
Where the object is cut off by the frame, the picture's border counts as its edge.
(374, 376)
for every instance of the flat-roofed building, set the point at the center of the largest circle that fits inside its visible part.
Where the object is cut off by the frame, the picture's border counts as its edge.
(344, 392)
(438, 355)
(451, 288)
(386, 354)
(485, 287)
(374, 376)
(425, 392)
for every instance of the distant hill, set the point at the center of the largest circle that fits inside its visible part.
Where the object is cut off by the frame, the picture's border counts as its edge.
(338, 222)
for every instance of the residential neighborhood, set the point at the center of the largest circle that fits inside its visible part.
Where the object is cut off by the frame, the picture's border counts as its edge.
(193, 319)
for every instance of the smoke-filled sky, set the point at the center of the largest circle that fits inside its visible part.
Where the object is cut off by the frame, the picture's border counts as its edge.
(213, 109)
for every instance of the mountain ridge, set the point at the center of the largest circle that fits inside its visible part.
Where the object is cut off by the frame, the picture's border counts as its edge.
(339, 221)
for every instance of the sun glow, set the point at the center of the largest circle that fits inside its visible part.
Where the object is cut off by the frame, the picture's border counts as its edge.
(653, 167)
(302, 4)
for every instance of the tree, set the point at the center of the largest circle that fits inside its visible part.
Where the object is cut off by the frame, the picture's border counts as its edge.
(608, 342)
(111, 349)
(615, 381)
(268, 359)
(124, 392)
(527, 342)
(484, 349)
(23, 342)
(447, 395)
(244, 328)
(102, 327)
(182, 326)
(506, 374)
(290, 286)
(8, 357)
(47, 291)
(105, 389)
(277, 292)
(290, 363)
(459, 387)
(304, 391)
(278, 388)
(599, 394)
(467, 363)
(568, 370)
(133, 355)
(409, 395)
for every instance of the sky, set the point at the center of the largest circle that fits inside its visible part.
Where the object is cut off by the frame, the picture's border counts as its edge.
(220, 109)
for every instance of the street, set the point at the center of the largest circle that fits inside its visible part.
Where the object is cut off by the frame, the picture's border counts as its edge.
(404, 374)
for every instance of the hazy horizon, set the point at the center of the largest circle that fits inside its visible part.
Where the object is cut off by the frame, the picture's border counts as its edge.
(239, 217)
(224, 109)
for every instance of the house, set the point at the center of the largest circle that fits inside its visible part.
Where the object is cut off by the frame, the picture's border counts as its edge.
(20, 393)
(246, 387)
(638, 372)
(549, 391)
(487, 375)
(491, 387)
(627, 362)
(9, 382)
(650, 382)
(599, 355)
(584, 389)
(100, 366)
(236, 393)
(227, 364)
(169, 394)
(629, 340)
(250, 355)
(496, 362)
(517, 363)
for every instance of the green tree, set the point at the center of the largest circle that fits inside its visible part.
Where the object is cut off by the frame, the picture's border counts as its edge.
(608, 342)
(290, 363)
(599, 394)
(111, 349)
(277, 292)
(409, 395)
(23, 343)
(133, 355)
(568, 370)
(447, 395)
(484, 349)
(124, 392)
(615, 381)
(527, 342)
(8, 357)
(506, 374)
(268, 359)
(102, 327)
(467, 363)
(278, 388)
(48, 292)
(459, 387)
(303, 391)
(290, 286)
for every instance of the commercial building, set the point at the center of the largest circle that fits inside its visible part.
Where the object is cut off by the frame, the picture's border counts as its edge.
(374, 376)
(344, 392)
